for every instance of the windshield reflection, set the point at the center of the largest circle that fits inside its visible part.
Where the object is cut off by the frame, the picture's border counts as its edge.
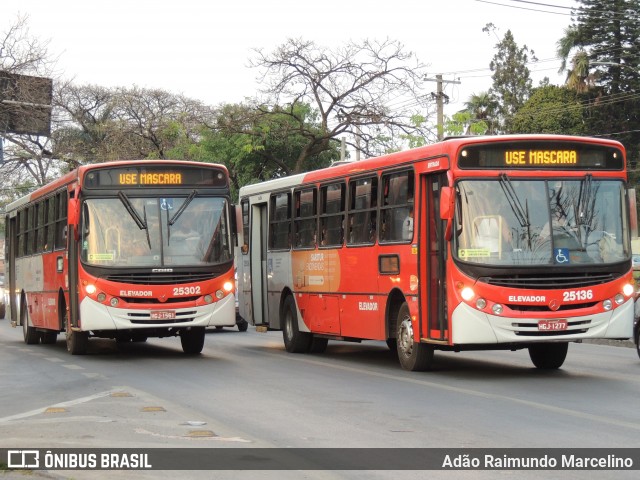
(138, 232)
(536, 222)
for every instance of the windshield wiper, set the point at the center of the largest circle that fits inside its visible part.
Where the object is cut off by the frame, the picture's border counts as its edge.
(142, 224)
(522, 214)
(140, 221)
(586, 203)
(174, 218)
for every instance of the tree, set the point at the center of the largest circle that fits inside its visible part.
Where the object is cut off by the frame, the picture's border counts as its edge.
(550, 109)
(604, 47)
(156, 120)
(365, 92)
(483, 108)
(85, 126)
(463, 123)
(268, 145)
(511, 79)
(97, 124)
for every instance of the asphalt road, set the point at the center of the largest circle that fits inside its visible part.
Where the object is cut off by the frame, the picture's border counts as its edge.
(245, 391)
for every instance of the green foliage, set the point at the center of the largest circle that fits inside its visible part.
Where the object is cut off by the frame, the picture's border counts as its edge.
(550, 109)
(603, 46)
(258, 144)
(412, 139)
(464, 123)
(511, 79)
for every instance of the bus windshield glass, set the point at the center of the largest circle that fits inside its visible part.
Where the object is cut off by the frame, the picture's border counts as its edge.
(129, 231)
(514, 222)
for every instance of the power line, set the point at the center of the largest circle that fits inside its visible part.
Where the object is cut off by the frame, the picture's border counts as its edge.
(544, 4)
(523, 8)
(578, 10)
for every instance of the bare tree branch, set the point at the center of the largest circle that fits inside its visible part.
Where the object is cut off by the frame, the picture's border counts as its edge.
(368, 91)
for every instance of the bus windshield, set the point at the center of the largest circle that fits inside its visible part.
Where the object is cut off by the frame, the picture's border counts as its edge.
(514, 222)
(129, 231)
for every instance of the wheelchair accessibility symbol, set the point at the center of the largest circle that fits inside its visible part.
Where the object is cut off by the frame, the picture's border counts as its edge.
(166, 203)
(561, 255)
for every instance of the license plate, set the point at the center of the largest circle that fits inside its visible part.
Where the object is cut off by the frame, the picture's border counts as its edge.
(552, 325)
(163, 315)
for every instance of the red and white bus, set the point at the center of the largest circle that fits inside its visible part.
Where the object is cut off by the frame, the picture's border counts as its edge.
(474, 243)
(123, 250)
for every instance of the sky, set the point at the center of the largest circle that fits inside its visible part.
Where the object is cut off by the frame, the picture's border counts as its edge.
(201, 48)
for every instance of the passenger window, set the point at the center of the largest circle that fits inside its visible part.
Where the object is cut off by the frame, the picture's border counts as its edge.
(363, 196)
(332, 215)
(397, 209)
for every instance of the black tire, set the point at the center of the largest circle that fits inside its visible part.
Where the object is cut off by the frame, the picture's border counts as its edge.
(414, 356)
(49, 337)
(3, 311)
(638, 341)
(192, 340)
(30, 335)
(548, 356)
(77, 342)
(318, 345)
(242, 325)
(392, 343)
(295, 341)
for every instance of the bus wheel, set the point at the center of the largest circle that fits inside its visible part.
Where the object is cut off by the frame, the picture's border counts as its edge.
(242, 325)
(77, 342)
(49, 337)
(295, 341)
(192, 340)
(30, 335)
(548, 355)
(318, 345)
(638, 341)
(413, 356)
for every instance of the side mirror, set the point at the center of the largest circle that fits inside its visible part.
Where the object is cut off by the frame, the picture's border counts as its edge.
(73, 211)
(447, 197)
(446, 203)
(633, 213)
(234, 223)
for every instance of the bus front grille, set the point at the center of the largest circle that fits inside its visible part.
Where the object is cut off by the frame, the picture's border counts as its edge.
(171, 278)
(549, 281)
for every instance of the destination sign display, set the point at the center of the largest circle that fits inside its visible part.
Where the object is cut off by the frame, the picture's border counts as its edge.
(541, 155)
(151, 176)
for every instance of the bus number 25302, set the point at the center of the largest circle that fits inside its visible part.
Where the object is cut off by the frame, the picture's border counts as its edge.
(179, 291)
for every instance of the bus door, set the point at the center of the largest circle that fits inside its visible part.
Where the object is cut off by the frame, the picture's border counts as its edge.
(258, 260)
(432, 255)
(11, 245)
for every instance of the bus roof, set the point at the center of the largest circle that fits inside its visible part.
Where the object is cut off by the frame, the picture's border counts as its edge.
(79, 173)
(448, 146)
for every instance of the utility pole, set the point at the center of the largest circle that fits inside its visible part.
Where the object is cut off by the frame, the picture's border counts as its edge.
(441, 98)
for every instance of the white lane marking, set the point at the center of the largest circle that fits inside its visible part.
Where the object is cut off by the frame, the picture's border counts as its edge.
(70, 403)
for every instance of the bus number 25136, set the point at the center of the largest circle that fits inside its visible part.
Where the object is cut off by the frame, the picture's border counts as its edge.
(573, 295)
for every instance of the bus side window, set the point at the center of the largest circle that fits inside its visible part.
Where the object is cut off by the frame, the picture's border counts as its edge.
(245, 226)
(332, 205)
(363, 194)
(396, 212)
(305, 218)
(280, 221)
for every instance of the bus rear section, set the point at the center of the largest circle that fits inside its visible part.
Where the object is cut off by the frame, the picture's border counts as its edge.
(148, 254)
(485, 243)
